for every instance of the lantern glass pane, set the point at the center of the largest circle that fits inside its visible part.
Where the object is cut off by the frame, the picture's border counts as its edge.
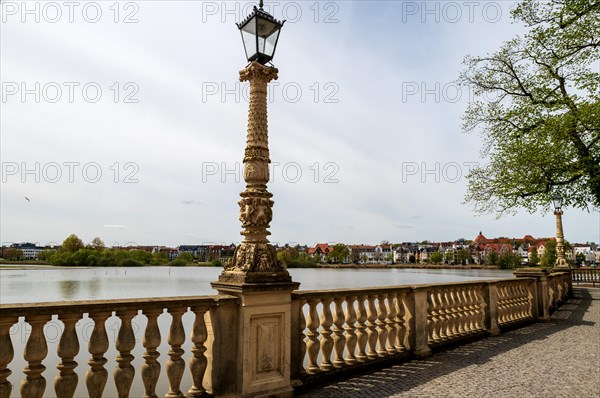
(266, 28)
(270, 43)
(249, 37)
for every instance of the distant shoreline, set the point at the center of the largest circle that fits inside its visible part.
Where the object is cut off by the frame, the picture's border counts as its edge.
(10, 265)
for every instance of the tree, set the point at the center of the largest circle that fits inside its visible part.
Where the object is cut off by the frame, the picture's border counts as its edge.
(463, 256)
(509, 260)
(534, 259)
(549, 257)
(538, 109)
(11, 253)
(491, 258)
(98, 244)
(355, 256)
(339, 253)
(72, 243)
(436, 257)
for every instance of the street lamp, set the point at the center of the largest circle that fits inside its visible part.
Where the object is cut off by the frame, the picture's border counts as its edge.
(561, 262)
(255, 259)
(260, 33)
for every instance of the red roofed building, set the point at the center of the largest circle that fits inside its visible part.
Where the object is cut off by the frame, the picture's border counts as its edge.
(320, 250)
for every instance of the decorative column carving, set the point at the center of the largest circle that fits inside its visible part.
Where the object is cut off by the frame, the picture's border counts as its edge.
(6, 356)
(561, 261)
(97, 375)
(198, 361)
(65, 383)
(36, 350)
(255, 260)
(175, 364)
(124, 372)
(151, 367)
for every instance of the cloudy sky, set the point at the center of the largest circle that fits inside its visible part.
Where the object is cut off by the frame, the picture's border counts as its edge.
(127, 121)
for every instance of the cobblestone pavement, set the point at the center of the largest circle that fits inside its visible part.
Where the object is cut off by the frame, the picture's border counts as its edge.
(559, 358)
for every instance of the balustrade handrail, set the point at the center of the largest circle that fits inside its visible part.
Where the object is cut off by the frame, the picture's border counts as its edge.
(110, 305)
(297, 294)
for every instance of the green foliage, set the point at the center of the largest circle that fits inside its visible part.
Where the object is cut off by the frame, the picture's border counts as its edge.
(436, 258)
(130, 262)
(463, 256)
(291, 258)
(216, 263)
(72, 243)
(46, 255)
(538, 109)
(549, 257)
(339, 253)
(491, 258)
(12, 254)
(509, 260)
(187, 257)
(534, 259)
(178, 263)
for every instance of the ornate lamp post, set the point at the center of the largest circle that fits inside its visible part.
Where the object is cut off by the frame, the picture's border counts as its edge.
(261, 358)
(561, 262)
(255, 260)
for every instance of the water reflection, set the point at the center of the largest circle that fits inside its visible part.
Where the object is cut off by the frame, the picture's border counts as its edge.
(69, 289)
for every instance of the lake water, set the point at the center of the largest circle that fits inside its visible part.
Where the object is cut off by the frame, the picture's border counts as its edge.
(63, 284)
(56, 284)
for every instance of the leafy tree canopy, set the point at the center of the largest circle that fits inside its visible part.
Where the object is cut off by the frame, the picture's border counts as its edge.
(72, 244)
(538, 110)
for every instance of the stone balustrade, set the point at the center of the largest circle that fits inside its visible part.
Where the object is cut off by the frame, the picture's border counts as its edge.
(345, 329)
(70, 313)
(586, 275)
(331, 332)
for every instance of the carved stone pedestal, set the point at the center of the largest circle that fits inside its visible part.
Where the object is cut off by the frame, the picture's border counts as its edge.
(264, 333)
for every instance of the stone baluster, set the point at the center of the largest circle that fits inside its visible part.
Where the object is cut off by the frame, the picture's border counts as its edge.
(350, 333)
(471, 310)
(326, 339)
(65, 383)
(361, 333)
(432, 317)
(481, 305)
(381, 325)
(175, 364)
(501, 303)
(124, 372)
(96, 376)
(391, 323)
(7, 354)
(456, 311)
(464, 311)
(477, 319)
(36, 349)
(372, 327)
(443, 312)
(198, 361)
(312, 344)
(151, 340)
(302, 327)
(339, 341)
(401, 323)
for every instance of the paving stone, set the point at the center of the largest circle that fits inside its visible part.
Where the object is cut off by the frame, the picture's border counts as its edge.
(554, 359)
